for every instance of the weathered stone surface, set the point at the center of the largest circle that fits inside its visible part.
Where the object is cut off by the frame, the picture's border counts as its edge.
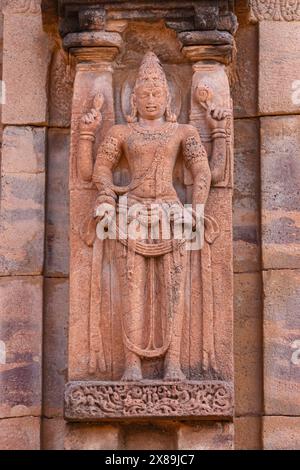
(22, 223)
(23, 150)
(205, 37)
(220, 53)
(279, 67)
(91, 437)
(21, 333)
(247, 433)
(280, 174)
(282, 342)
(149, 437)
(53, 433)
(281, 433)
(148, 399)
(93, 39)
(20, 433)
(57, 217)
(205, 436)
(22, 200)
(25, 67)
(245, 86)
(55, 345)
(62, 76)
(247, 345)
(246, 196)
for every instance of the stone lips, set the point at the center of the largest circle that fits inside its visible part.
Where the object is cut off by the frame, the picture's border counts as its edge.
(95, 400)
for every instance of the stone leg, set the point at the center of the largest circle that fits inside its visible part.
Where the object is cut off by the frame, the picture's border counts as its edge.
(133, 320)
(175, 275)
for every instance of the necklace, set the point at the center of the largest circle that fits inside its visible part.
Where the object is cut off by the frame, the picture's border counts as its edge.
(152, 134)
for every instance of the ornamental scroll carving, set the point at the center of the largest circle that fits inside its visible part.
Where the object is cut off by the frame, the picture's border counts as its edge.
(151, 235)
(277, 10)
(94, 401)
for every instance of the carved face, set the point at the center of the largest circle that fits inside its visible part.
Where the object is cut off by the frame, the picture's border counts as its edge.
(151, 102)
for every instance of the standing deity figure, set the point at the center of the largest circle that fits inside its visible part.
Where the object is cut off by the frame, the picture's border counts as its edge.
(152, 271)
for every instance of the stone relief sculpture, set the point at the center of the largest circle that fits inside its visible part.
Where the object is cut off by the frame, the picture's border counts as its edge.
(150, 327)
(152, 271)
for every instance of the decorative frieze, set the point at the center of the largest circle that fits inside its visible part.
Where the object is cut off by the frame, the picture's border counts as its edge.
(91, 401)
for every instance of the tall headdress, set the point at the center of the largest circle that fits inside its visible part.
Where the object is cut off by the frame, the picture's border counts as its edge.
(151, 73)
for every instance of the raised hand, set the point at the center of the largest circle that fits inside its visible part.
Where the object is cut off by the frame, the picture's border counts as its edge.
(216, 116)
(92, 119)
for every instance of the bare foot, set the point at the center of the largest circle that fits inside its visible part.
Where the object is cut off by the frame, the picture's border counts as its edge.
(174, 373)
(132, 374)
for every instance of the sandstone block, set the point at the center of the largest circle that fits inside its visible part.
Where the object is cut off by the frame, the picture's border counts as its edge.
(282, 342)
(21, 334)
(25, 67)
(247, 433)
(246, 196)
(20, 433)
(281, 433)
(55, 344)
(280, 168)
(149, 437)
(23, 150)
(57, 217)
(247, 345)
(279, 67)
(206, 436)
(90, 437)
(22, 223)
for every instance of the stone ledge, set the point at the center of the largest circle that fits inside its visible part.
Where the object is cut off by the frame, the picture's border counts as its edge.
(96, 401)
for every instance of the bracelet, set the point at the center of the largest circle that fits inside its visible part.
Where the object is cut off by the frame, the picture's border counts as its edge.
(87, 136)
(219, 130)
(219, 136)
(218, 133)
(108, 193)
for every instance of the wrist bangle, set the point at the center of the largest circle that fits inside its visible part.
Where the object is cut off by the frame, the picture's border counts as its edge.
(108, 193)
(87, 136)
(218, 135)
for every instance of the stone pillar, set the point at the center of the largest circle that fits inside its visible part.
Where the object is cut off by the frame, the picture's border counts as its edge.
(95, 54)
(279, 105)
(26, 56)
(210, 78)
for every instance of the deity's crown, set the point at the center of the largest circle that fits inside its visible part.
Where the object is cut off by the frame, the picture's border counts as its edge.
(151, 72)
